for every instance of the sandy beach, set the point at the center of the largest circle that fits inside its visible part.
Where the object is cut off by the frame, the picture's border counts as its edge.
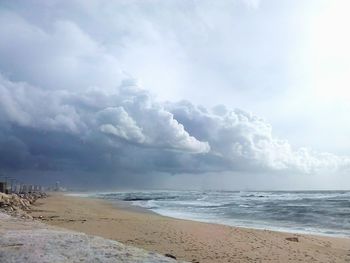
(187, 240)
(24, 240)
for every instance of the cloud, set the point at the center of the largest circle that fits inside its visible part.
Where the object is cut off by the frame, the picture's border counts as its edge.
(243, 138)
(129, 113)
(176, 136)
(116, 121)
(59, 57)
(67, 105)
(252, 3)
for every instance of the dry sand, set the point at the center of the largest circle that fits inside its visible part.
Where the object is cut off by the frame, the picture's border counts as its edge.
(25, 241)
(187, 240)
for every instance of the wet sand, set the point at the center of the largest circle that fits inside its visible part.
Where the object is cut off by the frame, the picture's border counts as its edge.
(187, 240)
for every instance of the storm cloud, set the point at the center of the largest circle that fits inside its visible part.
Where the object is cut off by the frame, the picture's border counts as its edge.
(67, 106)
(70, 128)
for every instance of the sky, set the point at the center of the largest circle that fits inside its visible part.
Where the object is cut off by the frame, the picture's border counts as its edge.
(197, 94)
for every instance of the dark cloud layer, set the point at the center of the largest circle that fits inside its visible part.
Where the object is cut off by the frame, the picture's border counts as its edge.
(67, 108)
(127, 129)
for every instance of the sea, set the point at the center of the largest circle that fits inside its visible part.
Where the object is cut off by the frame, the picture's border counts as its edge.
(312, 212)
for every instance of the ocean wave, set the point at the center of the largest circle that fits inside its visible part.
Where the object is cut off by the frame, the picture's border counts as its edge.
(322, 212)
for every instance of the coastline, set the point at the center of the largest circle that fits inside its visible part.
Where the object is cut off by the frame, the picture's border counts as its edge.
(187, 240)
(304, 212)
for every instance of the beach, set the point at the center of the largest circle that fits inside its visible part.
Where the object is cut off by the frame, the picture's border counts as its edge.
(24, 240)
(186, 240)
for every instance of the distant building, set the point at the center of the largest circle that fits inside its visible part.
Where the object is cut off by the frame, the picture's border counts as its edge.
(24, 189)
(57, 186)
(3, 187)
(16, 188)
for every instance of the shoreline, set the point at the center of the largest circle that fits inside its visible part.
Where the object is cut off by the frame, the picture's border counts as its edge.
(186, 239)
(127, 205)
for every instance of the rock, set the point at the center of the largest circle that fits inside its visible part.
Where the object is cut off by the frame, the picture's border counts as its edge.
(18, 204)
(170, 256)
(3, 196)
(293, 239)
